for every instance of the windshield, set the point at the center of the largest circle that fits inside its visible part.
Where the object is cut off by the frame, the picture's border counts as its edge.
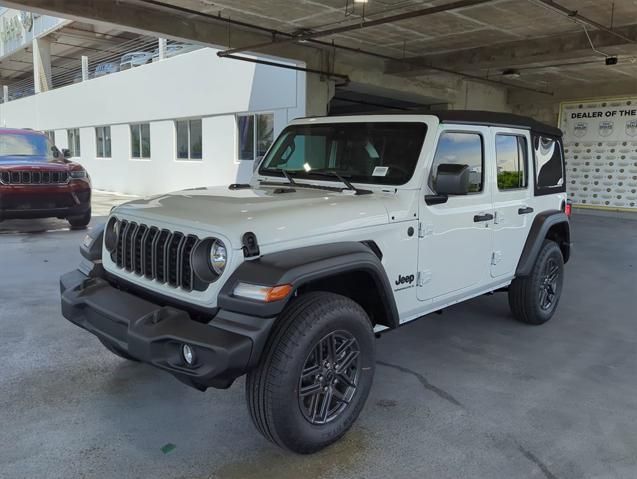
(375, 153)
(12, 144)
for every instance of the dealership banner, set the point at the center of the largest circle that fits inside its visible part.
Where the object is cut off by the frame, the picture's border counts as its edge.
(600, 143)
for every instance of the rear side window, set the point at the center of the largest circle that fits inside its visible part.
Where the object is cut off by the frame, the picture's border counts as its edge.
(549, 165)
(460, 148)
(511, 155)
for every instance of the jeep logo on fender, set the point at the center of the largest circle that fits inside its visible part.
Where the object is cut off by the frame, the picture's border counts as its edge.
(405, 279)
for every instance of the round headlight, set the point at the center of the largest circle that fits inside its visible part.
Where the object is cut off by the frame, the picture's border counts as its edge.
(110, 234)
(218, 257)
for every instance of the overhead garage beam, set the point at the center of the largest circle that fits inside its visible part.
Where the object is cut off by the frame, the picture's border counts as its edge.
(574, 14)
(520, 53)
(423, 12)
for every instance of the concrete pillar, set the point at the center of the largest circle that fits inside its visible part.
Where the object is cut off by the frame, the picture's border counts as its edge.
(42, 64)
(162, 48)
(84, 68)
(5, 93)
(318, 94)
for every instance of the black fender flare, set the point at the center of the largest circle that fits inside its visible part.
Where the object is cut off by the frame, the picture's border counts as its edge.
(300, 266)
(539, 231)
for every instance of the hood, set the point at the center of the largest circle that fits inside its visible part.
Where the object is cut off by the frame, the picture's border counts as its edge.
(273, 216)
(45, 162)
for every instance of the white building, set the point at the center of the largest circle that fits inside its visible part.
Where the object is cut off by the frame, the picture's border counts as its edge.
(185, 121)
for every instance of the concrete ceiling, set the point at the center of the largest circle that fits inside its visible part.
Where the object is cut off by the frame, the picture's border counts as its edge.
(549, 49)
(546, 47)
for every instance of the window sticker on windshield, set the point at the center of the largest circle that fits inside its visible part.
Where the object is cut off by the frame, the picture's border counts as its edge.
(380, 171)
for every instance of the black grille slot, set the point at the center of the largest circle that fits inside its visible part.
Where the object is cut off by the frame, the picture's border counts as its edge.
(173, 259)
(187, 275)
(160, 256)
(148, 252)
(28, 177)
(156, 254)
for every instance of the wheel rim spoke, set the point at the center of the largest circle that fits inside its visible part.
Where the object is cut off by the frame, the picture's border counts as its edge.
(312, 389)
(310, 371)
(329, 377)
(343, 365)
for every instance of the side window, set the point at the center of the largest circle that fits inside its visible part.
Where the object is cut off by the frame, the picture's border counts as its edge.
(189, 139)
(103, 141)
(74, 141)
(255, 133)
(549, 167)
(461, 148)
(511, 159)
(140, 141)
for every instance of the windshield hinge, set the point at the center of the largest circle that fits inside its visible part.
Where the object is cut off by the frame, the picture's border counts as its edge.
(250, 245)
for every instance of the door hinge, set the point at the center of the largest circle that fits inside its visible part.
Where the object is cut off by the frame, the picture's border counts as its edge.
(496, 257)
(423, 277)
(425, 230)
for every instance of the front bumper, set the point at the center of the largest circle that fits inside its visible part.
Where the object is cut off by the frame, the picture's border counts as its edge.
(43, 202)
(225, 348)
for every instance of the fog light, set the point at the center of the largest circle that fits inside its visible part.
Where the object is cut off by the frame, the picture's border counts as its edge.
(188, 354)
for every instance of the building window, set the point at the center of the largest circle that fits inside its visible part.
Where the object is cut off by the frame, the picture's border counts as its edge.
(549, 167)
(140, 140)
(188, 139)
(460, 149)
(255, 135)
(103, 140)
(511, 153)
(74, 141)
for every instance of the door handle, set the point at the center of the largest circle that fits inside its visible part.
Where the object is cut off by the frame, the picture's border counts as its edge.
(485, 217)
(525, 211)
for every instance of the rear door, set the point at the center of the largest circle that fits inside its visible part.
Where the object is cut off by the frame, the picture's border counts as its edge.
(512, 198)
(455, 242)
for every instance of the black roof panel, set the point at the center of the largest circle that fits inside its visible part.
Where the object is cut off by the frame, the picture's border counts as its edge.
(492, 118)
(477, 117)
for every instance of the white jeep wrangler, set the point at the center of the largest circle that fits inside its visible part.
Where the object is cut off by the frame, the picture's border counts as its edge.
(350, 225)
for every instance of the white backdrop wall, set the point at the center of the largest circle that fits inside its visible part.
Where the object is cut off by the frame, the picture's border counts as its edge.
(192, 85)
(600, 144)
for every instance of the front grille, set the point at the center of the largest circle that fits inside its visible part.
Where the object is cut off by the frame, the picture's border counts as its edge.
(156, 254)
(28, 177)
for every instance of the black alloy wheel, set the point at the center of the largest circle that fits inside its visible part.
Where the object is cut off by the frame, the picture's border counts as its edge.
(329, 378)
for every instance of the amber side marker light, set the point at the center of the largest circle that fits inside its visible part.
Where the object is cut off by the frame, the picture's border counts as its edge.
(266, 294)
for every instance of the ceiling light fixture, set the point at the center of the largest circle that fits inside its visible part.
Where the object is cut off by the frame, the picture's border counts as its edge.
(511, 74)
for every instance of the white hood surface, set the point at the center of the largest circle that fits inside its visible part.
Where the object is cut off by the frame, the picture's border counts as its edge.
(271, 215)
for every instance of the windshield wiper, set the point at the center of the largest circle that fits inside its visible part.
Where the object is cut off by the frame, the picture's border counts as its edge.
(339, 177)
(288, 177)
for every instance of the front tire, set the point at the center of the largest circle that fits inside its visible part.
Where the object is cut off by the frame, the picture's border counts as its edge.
(80, 221)
(533, 299)
(315, 374)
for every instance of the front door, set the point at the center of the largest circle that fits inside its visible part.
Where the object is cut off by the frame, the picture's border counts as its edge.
(455, 241)
(511, 199)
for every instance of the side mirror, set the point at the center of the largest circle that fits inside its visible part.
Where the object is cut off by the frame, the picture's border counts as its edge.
(66, 153)
(452, 179)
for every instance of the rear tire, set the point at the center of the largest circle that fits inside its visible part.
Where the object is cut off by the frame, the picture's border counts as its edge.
(533, 299)
(315, 373)
(80, 221)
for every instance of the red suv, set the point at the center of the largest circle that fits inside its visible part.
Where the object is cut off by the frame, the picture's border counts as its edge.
(36, 181)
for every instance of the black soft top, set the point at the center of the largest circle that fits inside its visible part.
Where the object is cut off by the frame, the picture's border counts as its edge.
(477, 117)
(491, 118)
